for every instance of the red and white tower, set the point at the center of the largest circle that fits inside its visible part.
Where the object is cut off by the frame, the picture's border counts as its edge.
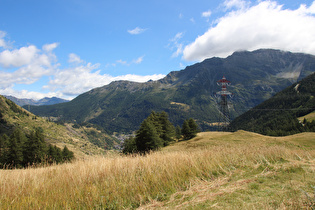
(224, 119)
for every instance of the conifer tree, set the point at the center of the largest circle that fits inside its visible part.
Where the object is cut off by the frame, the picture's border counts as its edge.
(35, 148)
(58, 156)
(186, 130)
(4, 142)
(189, 129)
(15, 153)
(168, 129)
(67, 154)
(147, 138)
(51, 153)
(178, 132)
(193, 127)
(130, 146)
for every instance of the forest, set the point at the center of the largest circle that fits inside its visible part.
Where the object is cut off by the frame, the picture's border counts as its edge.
(157, 131)
(21, 150)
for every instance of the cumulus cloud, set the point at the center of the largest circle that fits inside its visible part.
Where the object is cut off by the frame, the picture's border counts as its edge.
(29, 65)
(18, 57)
(25, 65)
(136, 31)
(10, 91)
(74, 81)
(264, 25)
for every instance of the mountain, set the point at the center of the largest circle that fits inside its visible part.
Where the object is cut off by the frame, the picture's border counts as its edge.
(122, 105)
(78, 139)
(279, 114)
(43, 101)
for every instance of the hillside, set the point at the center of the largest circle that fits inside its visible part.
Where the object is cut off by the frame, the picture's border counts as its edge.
(76, 139)
(279, 115)
(121, 106)
(215, 170)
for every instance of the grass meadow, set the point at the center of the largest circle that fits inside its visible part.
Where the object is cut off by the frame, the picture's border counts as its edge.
(216, 170)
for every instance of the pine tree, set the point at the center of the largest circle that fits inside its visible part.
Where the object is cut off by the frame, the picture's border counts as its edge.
(67, 154)
(35, 148)
(186, 130)
(58, 156)
(168, 129)
(129, 146)
(4, 144)
(189, 129)
(15, 156)
(147, 138)
(178, 132)
(193, 127)
(51, 153)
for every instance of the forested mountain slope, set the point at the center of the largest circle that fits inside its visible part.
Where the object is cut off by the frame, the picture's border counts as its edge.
(279, 115)
(122, 105)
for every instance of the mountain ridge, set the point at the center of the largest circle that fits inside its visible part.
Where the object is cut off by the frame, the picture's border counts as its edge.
(44, 101)
(279, 115)
(189, 93)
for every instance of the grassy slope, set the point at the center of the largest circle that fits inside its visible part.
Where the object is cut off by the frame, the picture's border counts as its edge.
(239, 170)
(75, 139)
(308, 117)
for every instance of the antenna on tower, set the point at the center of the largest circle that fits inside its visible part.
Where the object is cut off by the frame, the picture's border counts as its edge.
(224, 115)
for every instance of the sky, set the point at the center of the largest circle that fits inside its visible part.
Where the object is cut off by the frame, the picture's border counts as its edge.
(64, 48)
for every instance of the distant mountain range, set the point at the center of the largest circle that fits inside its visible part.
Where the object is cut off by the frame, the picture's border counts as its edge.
(279, 115)
(122, 105)
(43, 101)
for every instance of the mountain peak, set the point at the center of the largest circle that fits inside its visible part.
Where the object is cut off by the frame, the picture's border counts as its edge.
(122, 105)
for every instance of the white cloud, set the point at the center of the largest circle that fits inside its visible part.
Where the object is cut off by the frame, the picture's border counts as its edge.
(10, 91)
(50, 47)
(206, 14)
(28, 65)
(120, 61)
(134, 61)
(136, 31)
(176, 45)
(138, 60)
(265, 25)
(18, 57)
(2, 41)
(238, 4)
(74, 81)
(73, 58)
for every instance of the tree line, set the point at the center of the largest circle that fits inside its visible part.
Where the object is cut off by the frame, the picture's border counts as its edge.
(157, 131)
(20, 150)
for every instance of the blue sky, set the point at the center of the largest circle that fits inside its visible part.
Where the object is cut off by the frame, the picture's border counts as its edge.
(66, 47)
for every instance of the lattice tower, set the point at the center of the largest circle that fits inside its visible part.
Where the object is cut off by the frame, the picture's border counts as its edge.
(224, 115)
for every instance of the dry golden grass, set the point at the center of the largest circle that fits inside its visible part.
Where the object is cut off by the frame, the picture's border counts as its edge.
(308, 117)
(214, 170)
